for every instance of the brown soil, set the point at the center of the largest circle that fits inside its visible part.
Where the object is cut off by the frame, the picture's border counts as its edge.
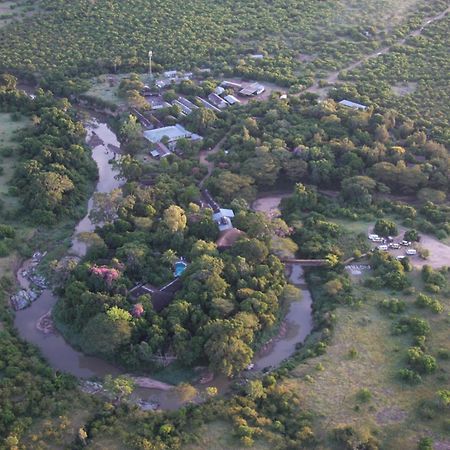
(150, 383)
(45, 323)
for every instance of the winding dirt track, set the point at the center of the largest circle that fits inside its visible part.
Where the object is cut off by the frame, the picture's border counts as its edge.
(209, 164)
(333, 77)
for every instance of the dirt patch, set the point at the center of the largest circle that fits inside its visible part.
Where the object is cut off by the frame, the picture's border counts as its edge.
(150, 383)
(304, 58)
(45, 323)
(270, 204)
(404, 88)
(269, 88)
(439, 253)
(389, 415)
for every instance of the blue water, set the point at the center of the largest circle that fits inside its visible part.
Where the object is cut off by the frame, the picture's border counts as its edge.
(180, 267)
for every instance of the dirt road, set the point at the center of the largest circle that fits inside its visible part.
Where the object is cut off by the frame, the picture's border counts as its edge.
(209, 164)
(333, 77)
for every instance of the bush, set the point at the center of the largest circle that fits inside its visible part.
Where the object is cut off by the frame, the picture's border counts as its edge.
(412, 235)
(425, 444)
(364, 395)
(385, 227)
(409, 376)
(420, 361)
(6, 231)
(444, 354)
(441, 234)
(423, 301)
(394, 305)
(414, 325)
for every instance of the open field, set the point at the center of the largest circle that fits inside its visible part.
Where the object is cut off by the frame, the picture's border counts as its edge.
(102, 89)
(14, 10)
(412, 77)
(8, 127)
(217, 436)
(365, 355)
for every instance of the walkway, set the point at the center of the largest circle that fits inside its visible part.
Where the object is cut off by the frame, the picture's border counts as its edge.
(204, 154)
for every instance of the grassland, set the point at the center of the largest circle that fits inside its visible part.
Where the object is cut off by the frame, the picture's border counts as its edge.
(217, 436)
(8, 127)
(421, 62)
(365, 355)
(15, 10)
(102, 89)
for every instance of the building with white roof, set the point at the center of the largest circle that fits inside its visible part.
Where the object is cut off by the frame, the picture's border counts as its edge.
(184, 109)
(231, 84)
(252, 89)
(231, 99)
(219, 90)
(217, 101)
(353, 105)
(223, 218)
(172, 133)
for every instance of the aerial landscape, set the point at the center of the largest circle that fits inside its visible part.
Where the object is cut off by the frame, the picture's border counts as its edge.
(224, 224)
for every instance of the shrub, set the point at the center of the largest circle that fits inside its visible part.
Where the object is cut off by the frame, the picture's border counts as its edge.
(425, 443)
(364, 395)
(444, 354)
(420, 361)
(394, 305)
(6, 231)
(423, 301)
(412, 235)
(409, 376)
(414, 325)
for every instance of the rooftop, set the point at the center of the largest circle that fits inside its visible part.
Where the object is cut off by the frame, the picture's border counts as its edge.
(173, 133)
(228, 238)
(223, 219)
(231, 99)
(217, 101)
(252, 89)
(353, 105)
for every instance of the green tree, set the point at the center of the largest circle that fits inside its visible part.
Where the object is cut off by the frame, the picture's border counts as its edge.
(106, 206)
(103, 335)
(175, 218)
(119, 387)
(385, 227)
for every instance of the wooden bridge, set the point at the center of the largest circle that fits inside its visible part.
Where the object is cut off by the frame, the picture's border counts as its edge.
(305, 262)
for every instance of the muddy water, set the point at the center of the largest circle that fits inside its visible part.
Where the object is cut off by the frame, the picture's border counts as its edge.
(54, 348)
(299, 324)
(107, 176)
(298, 320)
(61, 356)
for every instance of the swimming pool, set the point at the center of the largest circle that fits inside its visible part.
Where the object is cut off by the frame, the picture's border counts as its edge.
(180, 267)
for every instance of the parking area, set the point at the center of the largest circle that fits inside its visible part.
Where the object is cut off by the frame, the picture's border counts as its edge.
(439, 253)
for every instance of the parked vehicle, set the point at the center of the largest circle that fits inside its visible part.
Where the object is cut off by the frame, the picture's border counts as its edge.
(405, 243)
(383, 247)
(411, 251)
(394, 245)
